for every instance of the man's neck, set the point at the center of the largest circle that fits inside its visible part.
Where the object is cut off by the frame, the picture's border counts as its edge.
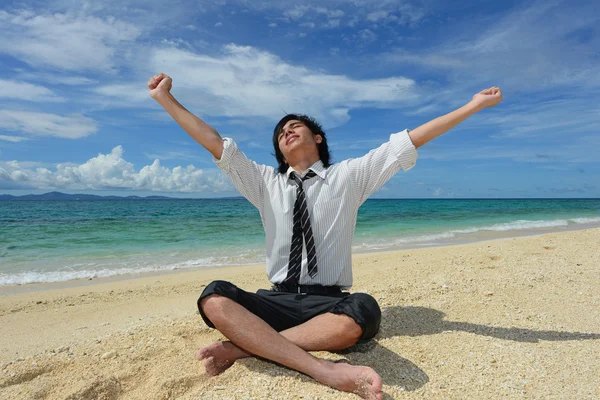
(301, 165)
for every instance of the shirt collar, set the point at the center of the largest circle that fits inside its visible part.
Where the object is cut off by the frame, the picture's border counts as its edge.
(318, 168)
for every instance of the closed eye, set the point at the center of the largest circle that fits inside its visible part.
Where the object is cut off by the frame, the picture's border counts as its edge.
(292, 125)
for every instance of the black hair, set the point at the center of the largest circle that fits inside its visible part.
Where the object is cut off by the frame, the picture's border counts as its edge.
(314, 127)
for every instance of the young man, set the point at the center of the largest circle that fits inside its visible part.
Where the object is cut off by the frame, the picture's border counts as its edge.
(308, 209)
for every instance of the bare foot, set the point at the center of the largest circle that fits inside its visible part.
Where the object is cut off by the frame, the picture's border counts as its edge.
(219, 356)
(363, 381)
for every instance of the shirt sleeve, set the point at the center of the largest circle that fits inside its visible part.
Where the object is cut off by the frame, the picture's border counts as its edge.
(247, 176)
(373, 170)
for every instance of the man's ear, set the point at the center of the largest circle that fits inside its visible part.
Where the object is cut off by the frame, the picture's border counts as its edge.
(318, 139)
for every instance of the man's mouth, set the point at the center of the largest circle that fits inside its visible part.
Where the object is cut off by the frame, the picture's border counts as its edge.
(289, 140)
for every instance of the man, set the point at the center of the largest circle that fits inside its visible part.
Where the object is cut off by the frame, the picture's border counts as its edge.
(308, 209)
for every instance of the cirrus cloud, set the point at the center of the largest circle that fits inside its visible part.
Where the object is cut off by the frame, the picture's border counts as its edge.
(64, 41)
(47, 124)
(15, 90)
(244, 81)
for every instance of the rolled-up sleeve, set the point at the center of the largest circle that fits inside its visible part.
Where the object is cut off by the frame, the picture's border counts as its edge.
(373, 170)
(247, 176)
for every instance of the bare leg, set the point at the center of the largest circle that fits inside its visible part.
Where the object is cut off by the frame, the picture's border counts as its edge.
(258, 338)
(324, 332)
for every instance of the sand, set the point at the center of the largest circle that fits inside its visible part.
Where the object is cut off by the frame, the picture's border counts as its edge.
(506, 319)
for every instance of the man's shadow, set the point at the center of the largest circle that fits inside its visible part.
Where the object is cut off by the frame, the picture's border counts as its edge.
(418, 321)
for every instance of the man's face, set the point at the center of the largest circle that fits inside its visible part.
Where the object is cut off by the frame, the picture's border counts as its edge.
(295, 136)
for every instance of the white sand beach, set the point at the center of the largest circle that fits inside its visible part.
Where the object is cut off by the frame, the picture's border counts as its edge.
(514, 318)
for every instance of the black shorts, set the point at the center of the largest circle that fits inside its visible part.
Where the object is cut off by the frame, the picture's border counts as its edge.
(283, 310)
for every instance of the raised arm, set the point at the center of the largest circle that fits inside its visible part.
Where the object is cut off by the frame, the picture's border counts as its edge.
(160, 90)
(434, 128)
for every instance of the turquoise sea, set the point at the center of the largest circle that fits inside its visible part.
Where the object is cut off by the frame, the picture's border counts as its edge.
(53, 241)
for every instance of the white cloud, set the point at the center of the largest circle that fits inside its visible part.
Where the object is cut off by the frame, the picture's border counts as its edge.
(111, 171)
(396, 11)
(128, 94)
(367, 36)
(26, 91)
(218, 24)
(272, 25)
(543, 133)
(403, 14)
(247, 82)
(54, 79)
(64, 41)
(14, 139)
(179, 42)
(299, 12)
(73, 80)
(353, 21)
(173, 155)
(46, 124)
(377, 16)
(535, 46)
(552, 121)
(295, 13)
(332, 23)
(335, 13)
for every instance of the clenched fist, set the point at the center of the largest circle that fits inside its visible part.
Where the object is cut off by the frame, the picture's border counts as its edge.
(488, 97)
(160, 83)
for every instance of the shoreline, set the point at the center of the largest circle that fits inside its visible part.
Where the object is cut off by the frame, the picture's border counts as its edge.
(501, 319)
(477, 237)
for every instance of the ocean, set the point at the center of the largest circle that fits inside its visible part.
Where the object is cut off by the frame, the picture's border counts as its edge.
(55, 241)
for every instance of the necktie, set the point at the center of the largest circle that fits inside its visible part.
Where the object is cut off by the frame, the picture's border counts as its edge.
(302, 230)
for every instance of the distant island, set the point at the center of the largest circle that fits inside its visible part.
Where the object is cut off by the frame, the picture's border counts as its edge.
(65, 196)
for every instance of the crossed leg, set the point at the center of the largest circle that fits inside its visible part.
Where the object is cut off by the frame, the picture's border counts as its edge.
(325, 332)
(289, 348)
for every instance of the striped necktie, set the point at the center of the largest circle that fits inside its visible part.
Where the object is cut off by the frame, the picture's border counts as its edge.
(301, 229)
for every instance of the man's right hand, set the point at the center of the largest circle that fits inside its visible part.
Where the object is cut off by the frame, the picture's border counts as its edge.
(160, 86)
(159, 83)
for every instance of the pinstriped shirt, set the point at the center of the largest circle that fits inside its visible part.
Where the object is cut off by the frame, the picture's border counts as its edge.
(333, 197)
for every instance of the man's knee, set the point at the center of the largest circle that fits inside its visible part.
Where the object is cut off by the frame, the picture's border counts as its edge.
(214, 298)
(215, 309)
(217, 288)
(364, 311)
(213, 303)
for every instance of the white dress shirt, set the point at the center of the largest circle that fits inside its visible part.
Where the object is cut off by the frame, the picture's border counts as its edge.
(333, 198)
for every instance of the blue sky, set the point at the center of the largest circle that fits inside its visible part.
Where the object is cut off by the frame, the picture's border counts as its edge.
(76, 116)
